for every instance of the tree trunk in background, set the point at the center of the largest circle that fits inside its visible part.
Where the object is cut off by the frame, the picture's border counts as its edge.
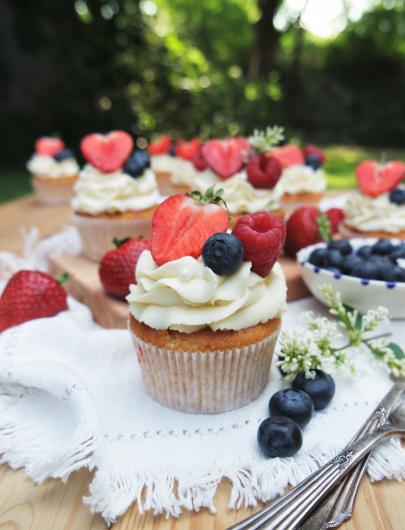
(266, 40)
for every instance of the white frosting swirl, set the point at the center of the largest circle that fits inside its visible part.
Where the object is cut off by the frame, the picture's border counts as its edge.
(184, 173)
(47, 167)
(97, 192)
(165, 163)
(185, 295)
(303, 179)
(240, 196)
(369, 214)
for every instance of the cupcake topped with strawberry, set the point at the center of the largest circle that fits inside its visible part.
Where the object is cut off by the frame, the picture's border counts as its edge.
(52, 160)
(378, 208)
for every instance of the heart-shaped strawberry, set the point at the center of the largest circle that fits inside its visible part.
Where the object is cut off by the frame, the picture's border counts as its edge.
(374, 179)
(226, 157)
(49, 146)
(187, 150)
(160, 147)
(107, 152)
(288, 155)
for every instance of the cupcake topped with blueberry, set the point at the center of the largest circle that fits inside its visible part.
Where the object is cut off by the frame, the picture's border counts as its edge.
(378, 208)
(52, 160)
(207, 304)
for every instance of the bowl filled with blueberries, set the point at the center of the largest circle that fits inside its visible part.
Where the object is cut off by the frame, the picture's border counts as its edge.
(367, 272)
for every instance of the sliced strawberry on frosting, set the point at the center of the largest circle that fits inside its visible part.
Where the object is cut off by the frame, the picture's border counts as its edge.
(49, 146)
(186, 150)
(374, 178)
(160, 146)
(288, 155)
(107, 152)
(226, 157)
(198, 160)
(181, 225)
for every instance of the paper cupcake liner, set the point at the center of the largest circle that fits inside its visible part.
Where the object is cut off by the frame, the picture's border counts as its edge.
(215, 381)
(97, 233)
(53, 192)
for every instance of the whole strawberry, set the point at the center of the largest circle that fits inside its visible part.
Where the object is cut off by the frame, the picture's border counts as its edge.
(262, 235)
(117, 267)
(336, 217)
(306, 226)
(29, 295)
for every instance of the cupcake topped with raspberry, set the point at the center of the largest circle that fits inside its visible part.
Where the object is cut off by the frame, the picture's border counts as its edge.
(378, 208)
(207, 304)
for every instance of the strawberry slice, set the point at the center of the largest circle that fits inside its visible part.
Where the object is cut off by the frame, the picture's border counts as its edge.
(181, 225)
(107, 152)
(187, 150)
(226, 157)
(198, 160)
(49, 146)
(374, 179)
(161, 146)
(288, 155)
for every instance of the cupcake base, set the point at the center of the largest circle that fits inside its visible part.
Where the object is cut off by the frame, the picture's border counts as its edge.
(206, 371)
(53, 191)
(97, 232)
(347, 232)
(166, 186)
(292, 202)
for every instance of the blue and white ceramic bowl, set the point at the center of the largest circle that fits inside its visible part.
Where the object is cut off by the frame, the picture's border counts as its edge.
(359, 293)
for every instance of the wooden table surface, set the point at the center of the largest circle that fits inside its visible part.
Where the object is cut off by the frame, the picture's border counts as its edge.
(57, 506)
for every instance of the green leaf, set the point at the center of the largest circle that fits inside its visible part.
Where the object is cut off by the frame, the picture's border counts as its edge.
(324, 227)
(396, 350)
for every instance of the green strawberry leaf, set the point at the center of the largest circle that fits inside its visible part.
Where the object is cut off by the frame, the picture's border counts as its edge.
(396, 350)
(324, 226)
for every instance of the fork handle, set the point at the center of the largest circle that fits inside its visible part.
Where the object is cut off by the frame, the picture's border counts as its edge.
(290, 510)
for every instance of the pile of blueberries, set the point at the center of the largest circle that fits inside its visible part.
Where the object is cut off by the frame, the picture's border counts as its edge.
(290, 409)
(369, 262)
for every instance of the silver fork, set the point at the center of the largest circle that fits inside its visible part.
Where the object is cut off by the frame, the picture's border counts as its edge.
(289, 511)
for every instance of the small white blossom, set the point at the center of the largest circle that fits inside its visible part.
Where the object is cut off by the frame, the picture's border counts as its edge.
(263, 141)
(374, 318)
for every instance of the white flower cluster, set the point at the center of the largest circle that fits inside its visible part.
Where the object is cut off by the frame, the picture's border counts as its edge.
(263, 141)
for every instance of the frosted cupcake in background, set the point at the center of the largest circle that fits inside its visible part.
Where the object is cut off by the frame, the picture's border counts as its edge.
(54, 171)
(378, 208)
(182, 175)
(206, 310)
(115, 195)
(163, 162)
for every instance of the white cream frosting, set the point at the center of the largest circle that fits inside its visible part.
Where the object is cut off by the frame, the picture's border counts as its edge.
(184, 173)
(240, 196)
(97, 192)
(185, 295)
(374, 214)
(165, 163)
(303, 179)
(47, 167)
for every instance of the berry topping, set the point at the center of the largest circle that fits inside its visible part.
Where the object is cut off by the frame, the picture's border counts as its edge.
(117, 267)
(294, 404)
(49, 146)
(397, 196)
(182, 224)
(187, 150)
(107, 152)
(226, 157)
(288, 155)
(29, 295)
(374, 179)
(198, 160)
(306, 226)
(336, 216)
(137, 163)
(262, 235)
(263, 171)
(311, 149)
(313, 161)
(279, 436)
(160, 147)
(320, 389)
(223, 253)
(63, 155)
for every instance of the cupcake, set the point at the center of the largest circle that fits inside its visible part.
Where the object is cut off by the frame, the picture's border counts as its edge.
(206, 310)
(378, 208)
(54, 171)
(115, 195)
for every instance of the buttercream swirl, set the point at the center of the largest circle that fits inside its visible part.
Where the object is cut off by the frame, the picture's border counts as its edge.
(374, 214)
(184, 173)
(47, 167)
(187, 296)
(303, 179)
(97, 192)
(165, 163)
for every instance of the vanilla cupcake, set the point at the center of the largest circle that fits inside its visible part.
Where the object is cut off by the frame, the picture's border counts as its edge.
(54, 171)
(204, 322)
(115, 197)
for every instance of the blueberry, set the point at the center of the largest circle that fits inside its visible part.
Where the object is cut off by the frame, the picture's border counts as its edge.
(364, 251)
(279, 436)
(369, 270)
(223, 253)
(137, 163)
(63, 155)
(343, 246)
(294, 404)
(349, 262)
(394, 273)
(397, 253)
(318, 257)
(382, 247)
(334, 259)
(172, 149)
(397, 196)
(321, 389)
(313, 161)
